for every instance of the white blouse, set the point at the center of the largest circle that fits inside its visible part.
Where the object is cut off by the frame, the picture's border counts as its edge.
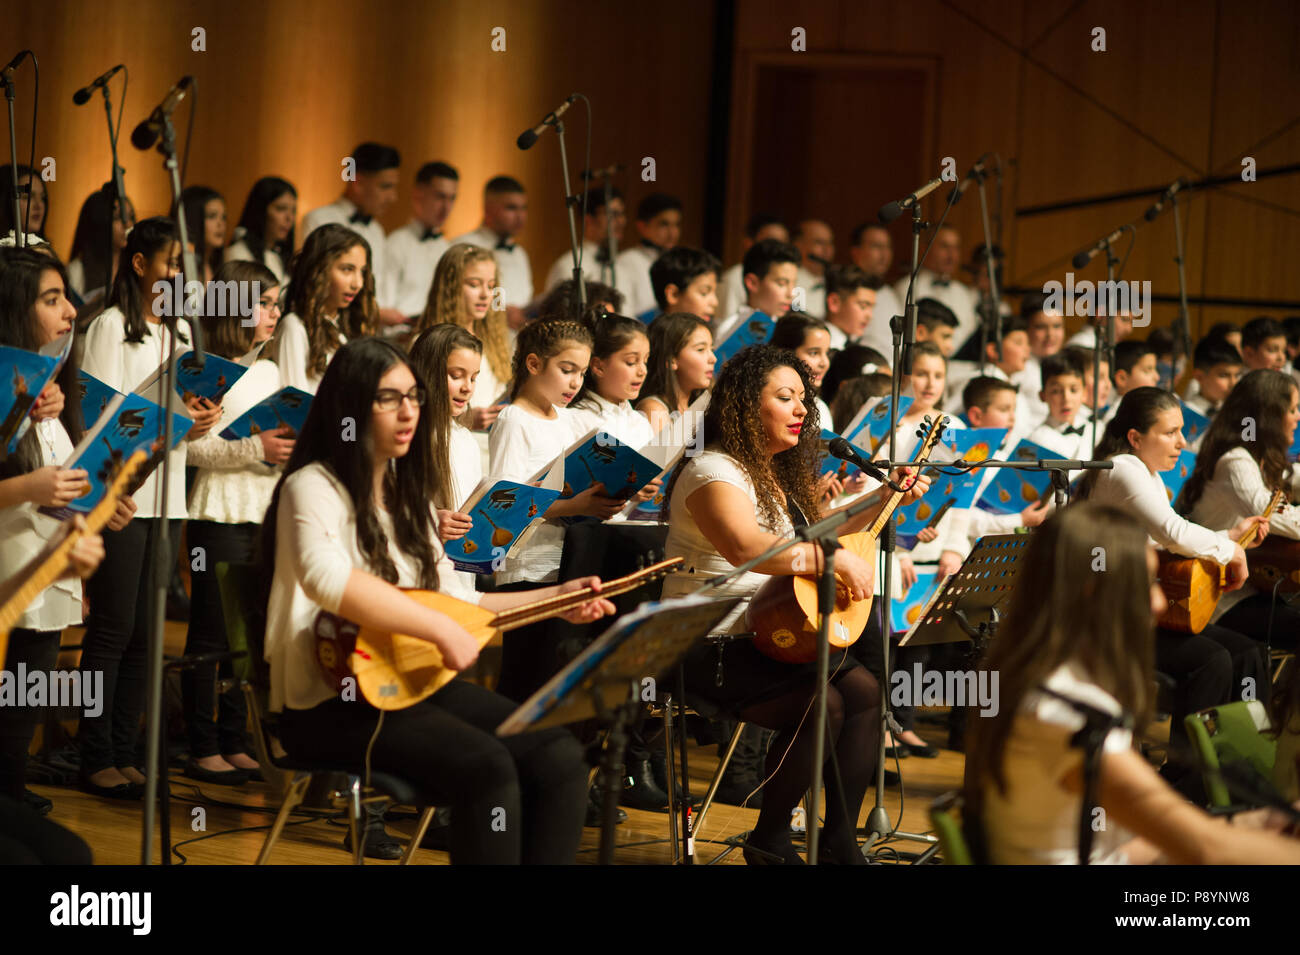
(1130, 486)
(125, 366)
(1037, 821)
(520, 445)
(621, 420)
(315, 554)
(294, 353)
(700, 558)
(24, 531)
(234, 485)
(238, 251)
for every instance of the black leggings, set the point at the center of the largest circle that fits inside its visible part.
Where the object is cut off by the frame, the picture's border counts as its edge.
(1208, 668)
(853, 734)
(1251, 617)
(231, 543)
(117, 642)
(37, 650)
(513, 799)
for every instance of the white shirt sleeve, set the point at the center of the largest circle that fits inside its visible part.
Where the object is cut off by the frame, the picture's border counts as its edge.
(507, 443)
(213, 451)
(1240, 474)
(104, 355)
(292, 358)
(1130, 487)
(311, 519)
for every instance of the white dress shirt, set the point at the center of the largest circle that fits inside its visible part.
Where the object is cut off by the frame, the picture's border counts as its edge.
(514, 273)
(731, 290)
(633, 268)
(814, 287)
(1074, 446)
(593, 270)
(125, 366)
(621, 421)
(878, 334)
(953, 293)
(24, 531)
(412, 260)
(238, 251)
(234, 485)
(1030, 381)
(341, 211)
(294, 353)
(316, 551)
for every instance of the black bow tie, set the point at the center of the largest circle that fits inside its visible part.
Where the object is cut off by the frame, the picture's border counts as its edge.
(1074, 429)
(941, 283)
(602, 254)
(430, 234)
(360, 218)
(505, 244)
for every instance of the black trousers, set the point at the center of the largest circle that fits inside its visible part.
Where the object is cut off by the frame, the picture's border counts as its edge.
(1208, 668)
(224, 735)
(117, 640)
(38, 650)
(513, 799)
(1251, 617)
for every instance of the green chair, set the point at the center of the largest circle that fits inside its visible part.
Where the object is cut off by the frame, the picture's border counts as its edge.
(321, 791)
(1231, 733)
(945, 816)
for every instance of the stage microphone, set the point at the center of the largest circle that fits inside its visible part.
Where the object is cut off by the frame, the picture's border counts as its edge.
(840, 448)
(613, 169)
(892, 210)
(1159, 207)
(82, 95)
(529, 136)
(147, 133)
(976, 172)
(13, 65)
(1086, 256)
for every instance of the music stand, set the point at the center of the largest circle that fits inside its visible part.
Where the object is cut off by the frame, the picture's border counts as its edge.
(605, 681)
(964, 608)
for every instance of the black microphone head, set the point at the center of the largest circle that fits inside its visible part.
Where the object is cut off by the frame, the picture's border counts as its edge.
(1151, 213)
(1082, 259)
(840, 448)
(81, 96)
(526, 139)
(890, 211)
(954, 196)
(144, 136)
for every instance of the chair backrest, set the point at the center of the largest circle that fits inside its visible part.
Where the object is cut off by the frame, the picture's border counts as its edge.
(945, 813)
(1231, 733)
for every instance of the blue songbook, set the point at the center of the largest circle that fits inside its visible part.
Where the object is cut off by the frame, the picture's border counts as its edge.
(1195, 424)
(129, 422)
(905, 612)
(94, 396)
(1294, 453)
(1013, 489)
(755, 329)
(600, 458)
(212, 381)
(1177, 476)
(842, 469)
(948, 490)
(23, 376)
(502, 511)
(870, 427)
(287, 408)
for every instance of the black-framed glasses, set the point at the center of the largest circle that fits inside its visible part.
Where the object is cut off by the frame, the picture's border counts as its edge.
(388, 399)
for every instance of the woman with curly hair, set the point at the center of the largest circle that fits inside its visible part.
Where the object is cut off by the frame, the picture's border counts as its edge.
(753, 483)
(331, 299)
(462, 294)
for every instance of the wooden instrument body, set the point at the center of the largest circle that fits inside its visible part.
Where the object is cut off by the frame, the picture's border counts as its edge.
(783, 612)
(1192, 587)
(1277, 558)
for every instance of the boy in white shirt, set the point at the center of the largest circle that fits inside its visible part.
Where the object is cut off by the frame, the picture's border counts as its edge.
(505, 213)
(415, 248)
(771, 272)
(1134, 367)
(1216, 369)
(850, 299)
(659, 228)
(365, 198)
(1263, 344)
(937, 281)
(731, 285)
(599, 221)
(1066, 429)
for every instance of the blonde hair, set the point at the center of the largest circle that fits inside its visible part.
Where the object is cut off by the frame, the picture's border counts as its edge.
(446, 306)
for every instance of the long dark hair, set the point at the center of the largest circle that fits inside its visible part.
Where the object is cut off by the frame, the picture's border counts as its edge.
(90, 240)
(1138, 411)
(347, 392)
(668, 336)
(1063, 610)
(224, 334)
(253, 219)
(610, 333)
(7, 207)
(429, 361)
(309, 289)
(732, 425)
(20, 287)
(148, 238)
(194, 203)
(1265, 396)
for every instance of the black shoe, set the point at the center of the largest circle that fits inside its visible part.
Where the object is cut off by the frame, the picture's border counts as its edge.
(640, 790)
(120, 791)
(771, 855)
(36, 802)
(224, 777)
(595, 811)
(734, 793)
(925, 752)
(379, 844)
(898, 750)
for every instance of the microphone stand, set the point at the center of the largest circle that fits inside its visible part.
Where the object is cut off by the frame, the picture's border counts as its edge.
(118, 184)
(1105, 338)
(992, 301)
(570, 201)
(155, 755)
(20, 230)
(1183, 333)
